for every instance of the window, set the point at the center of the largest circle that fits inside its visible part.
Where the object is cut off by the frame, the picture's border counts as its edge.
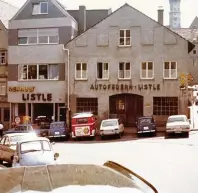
(81, 71)
(3, 58)
(6, 115)
(125, 37)
(147, 70)
(170, 70)
(124, 70)
(38, 72)
(194, 51)
(40, 8)
(166, 106)
(87, 105)
(2, 88)
(102, 70)
(38, 36)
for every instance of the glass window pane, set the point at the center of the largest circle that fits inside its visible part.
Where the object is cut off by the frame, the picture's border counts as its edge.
(36, 8)
(173, 65)
(53, 39)
(22, 40)
(128, 41)
(128, 66)
(84, 66)
(143, 65)
(122, 33)
(105, 66)
(78, 66)
(32, 72)
(32, 40)
(121, 66)
(43, 71)
(43, 39)
(53, 71)
(128, 33)
(3, 88)
(166, 65)
(44, 7)
(121, 41)
(150, 65)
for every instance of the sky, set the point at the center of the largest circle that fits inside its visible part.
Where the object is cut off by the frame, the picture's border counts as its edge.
(189, 8)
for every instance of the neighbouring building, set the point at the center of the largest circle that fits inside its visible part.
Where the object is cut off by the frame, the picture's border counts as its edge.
(37, 33)
(4, 105)
(128, 65)
(175, 14)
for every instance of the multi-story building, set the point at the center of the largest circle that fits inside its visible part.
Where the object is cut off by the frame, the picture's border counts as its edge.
(128, 65)
(36, 80)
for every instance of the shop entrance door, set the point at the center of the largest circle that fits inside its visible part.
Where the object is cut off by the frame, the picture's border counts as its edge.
(62, 114)
(127, 107)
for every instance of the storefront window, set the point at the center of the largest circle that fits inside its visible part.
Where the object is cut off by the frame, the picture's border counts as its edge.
(166, 106)
(87, 105)
(6, 115)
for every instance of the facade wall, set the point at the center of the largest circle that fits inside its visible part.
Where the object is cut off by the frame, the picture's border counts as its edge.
(149, 42)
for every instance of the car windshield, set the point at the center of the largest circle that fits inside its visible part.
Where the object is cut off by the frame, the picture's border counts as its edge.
(23, 128)
(176, 119)
(37, 145)
(109, 123)
(57, 125)
(145, 120)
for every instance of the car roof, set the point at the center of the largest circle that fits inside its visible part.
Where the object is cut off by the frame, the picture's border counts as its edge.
(177, 116)
(18, 134)
(109, 120)
(83, 115)
(34, 139)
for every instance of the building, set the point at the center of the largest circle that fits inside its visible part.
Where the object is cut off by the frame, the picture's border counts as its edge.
(36, 80)
(128, 65)
(37, 33)
(175, 14)
(4, 105)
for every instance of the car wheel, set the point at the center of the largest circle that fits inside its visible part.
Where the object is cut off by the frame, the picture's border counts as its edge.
(102, 137)
(166, 135)
(119, 135)
(187, 135)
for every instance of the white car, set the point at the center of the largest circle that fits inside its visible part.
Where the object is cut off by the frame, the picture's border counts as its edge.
(111, 127)
(178, 124)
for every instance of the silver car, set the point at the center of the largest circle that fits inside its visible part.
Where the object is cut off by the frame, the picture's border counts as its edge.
(33, 152)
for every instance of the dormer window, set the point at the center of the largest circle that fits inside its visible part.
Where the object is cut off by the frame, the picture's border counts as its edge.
(40, 8)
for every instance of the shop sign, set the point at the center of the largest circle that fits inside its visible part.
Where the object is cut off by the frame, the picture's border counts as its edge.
(21, 89)
(126, 87)
(37, 97)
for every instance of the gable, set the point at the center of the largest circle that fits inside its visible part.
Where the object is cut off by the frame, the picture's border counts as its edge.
(128, 17)
(194, 24)
(54, 11)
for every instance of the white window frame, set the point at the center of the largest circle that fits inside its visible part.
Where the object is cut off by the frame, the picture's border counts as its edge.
(141, 77)
(44, 2)
(3, 51)
(22, 65)
(37, 37)
(103, 63)
(81, 78)
(168, 78)
(5, 85)
(124, 71)
(125, 37)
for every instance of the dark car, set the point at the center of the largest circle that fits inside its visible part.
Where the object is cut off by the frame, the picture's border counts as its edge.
(146, 124)
(43, 129)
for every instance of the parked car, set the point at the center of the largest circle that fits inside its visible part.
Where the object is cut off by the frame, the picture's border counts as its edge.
(34, 152)
(58, 130)
(83, 125)
(177, 124)
(8, 145)
(42, 130)
(111, 127)
(109, 178)
(146, 124)
(21, 128)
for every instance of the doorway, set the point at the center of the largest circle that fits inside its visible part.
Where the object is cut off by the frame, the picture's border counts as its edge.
(127, 107)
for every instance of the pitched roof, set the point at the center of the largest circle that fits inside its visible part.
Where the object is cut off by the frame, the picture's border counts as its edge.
(6, 12)
(190, 45)
(194, 24)
(188, 33)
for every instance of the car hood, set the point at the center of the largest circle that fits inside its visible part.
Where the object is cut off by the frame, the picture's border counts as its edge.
(69, 177)
(108, 128)
(178, 123)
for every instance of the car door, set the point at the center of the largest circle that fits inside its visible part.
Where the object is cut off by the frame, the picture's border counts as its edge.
(121, 128)
(2, 142)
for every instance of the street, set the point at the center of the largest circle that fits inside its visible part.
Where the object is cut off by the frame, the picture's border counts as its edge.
(169, 164)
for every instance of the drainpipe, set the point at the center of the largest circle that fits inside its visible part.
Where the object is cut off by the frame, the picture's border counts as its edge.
(68, 82)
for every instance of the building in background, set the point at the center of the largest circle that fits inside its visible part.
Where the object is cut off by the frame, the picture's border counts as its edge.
(175, 14)
(128, 65)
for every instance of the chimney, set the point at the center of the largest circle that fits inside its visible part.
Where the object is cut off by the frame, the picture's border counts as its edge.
(82, 19)
(161, 15)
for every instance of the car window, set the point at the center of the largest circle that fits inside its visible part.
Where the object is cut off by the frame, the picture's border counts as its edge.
(46, 146)
(31, 146)
(145, 120)
(109, 123)
(2, 141)
(7, 141)
(176, 119)
(17, 138)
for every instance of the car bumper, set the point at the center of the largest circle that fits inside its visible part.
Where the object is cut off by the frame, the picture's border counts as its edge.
(56, 136)
(109, 132)
(177, 130)
(148, 131)
(83, 135)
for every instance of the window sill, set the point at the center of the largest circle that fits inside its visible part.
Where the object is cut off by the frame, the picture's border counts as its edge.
(39, 13)
(81, 79)
(102, 79)
(170, 78)
(124, 78)
(124, 46)
(141, 78)
(38, 44)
